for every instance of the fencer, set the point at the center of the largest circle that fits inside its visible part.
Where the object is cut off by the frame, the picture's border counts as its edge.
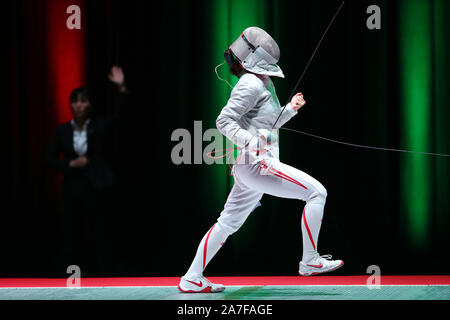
(247, 120)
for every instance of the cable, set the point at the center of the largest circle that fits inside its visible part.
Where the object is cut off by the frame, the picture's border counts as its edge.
(309, 62)
(220, 78)
(317, 136)
(367, 147)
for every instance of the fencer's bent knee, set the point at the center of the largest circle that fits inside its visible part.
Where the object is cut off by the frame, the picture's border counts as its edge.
(228, 229)
(319, 195)
(323, 192)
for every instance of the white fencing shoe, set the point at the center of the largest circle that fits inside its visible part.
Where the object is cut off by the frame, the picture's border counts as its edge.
(199, 284)
(319, 264)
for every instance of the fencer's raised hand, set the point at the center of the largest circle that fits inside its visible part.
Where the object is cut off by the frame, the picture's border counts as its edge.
(297, 101)
(117, 76)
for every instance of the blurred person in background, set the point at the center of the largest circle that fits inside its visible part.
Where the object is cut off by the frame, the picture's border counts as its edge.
(77, 150)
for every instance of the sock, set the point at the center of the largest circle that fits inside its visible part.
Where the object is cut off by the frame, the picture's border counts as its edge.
(209, 246)
(311, 223)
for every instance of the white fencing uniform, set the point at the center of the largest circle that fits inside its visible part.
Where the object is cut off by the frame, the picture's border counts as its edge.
(249, 115)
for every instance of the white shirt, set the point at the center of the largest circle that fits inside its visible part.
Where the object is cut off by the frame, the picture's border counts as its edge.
(80, 143)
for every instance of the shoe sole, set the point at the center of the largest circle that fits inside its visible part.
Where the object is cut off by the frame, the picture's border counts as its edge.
(316, 273)
(204, 290)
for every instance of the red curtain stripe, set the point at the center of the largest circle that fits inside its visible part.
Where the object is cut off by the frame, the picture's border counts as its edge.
(66, 54)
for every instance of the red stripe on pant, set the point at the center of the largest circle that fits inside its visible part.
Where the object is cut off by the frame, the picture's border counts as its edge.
(205, 248)
(307, 229)
(286, 177)
(283, 176)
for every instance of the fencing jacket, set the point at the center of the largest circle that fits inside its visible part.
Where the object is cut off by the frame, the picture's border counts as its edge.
(250, 112)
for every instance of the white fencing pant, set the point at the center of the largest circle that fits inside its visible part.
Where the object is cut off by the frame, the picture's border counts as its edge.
(252, 181)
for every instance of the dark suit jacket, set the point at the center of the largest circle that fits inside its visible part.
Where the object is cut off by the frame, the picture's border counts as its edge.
(97, 170)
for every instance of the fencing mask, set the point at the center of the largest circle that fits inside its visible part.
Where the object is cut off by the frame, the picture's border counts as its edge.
(255, 51)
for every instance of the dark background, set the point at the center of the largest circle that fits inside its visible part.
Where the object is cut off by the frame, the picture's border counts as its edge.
(160, 211)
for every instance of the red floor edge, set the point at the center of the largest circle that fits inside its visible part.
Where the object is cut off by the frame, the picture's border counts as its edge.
(230, 281)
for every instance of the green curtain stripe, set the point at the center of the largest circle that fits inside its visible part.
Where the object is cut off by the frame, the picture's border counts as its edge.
(229, 19)
(415, 26)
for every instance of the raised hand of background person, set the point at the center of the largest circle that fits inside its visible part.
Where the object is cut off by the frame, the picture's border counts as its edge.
(117, 76)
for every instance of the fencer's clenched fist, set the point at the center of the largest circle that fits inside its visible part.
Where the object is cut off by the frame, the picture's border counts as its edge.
(297, 101)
